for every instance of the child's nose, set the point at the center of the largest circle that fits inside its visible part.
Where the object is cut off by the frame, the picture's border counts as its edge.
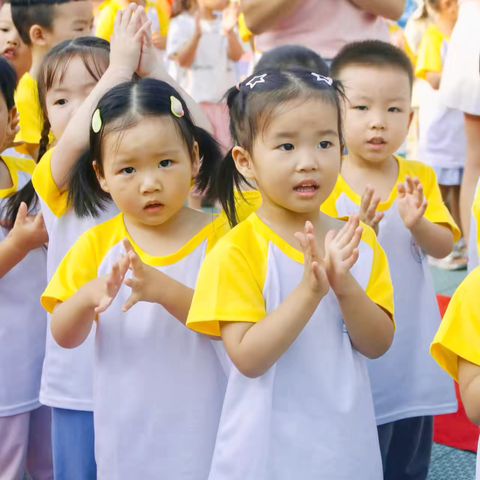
(151, 183)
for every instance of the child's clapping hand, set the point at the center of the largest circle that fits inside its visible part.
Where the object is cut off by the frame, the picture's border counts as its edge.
(412, 204)
(368, 209)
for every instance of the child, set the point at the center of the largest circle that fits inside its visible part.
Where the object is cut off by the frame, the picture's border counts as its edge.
(43, 24)
(202, 48)
(24, 423)
(69, 93)
(455, 346)
(401, 200)
(442, 141)
(298, 396)
(165, 380)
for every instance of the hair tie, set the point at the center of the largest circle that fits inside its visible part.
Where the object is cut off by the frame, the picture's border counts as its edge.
(177, 107)
(96, 121)
(255, 80)
(321, 78)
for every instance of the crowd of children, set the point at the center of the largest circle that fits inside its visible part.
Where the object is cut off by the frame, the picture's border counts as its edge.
(291, 335)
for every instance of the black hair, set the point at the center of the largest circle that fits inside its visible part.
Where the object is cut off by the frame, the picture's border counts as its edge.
(94, 53)
(289, 56)
(8, 82)
(251, 109)
(121, 108)
(372, 53)
(26, 13)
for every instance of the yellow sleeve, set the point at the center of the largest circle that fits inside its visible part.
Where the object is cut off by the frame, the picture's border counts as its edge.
(476, 216)
(329, 206)
(429, 58)
(380, 287)
(437, 212)
(229, 287)
(243, 31)
(28, 106)
(79, 267)
(459, 332)
(46, 188)
(105, 22)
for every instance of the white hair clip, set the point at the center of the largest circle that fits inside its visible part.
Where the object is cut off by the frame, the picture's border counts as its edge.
(321, 78)
(255, 80)
(96, 121)
(176, 106)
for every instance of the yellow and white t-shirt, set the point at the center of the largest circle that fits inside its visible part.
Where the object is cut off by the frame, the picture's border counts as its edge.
(442, 141)
(459, 332)
(399, 385)
(67, 379)
(314, 407)
(23, 322)
(474, 237)
(159, 387)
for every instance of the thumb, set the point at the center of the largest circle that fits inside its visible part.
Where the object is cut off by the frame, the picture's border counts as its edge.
(38, 222)
(21, 215)
(329, 237)
(136, 264)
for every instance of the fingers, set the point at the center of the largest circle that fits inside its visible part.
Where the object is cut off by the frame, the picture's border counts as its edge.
(135, 24)
(366, 199)
(144, 32)
(39, 222)
(402, 192)
(372, 209)
(329, 238)
(127, 245)
(349, 233)
(347, 252)
(423, 208)
(135, 262)
(352, 260)
(409, 184)
(118, 20)
(21, 215)
(313, 247)
(418, 191)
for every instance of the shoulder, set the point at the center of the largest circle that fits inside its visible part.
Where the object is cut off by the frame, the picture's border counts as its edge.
(415, 168)
(182, 20)
(20, 164)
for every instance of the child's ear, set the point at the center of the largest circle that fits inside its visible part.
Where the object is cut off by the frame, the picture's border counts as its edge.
(196, 160)
(410, 118)
(100, 177)
(243, 162)
(38, 36)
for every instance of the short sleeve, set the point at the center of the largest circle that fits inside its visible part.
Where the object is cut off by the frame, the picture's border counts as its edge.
(459, 332)
(429, 57)
(179, 32)
(437, 212)
(380, 287)
(229, 289)
(46, 188)
(105, 22)
(77, 268)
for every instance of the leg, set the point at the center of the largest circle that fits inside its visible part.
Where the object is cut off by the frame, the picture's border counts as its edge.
(472, 170)
(73, 445)
(39, 459)
(385, 434)
(13, 446)
(410, 450)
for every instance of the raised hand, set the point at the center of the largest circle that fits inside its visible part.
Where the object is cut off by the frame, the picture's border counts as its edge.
(127, 39)
(314, 274)
(144, 282)
(148, 55)
(28, 232)
(11, 132)
(368, 209)
(109, 285)
(412, 204)
(342, 253)
(230, 18)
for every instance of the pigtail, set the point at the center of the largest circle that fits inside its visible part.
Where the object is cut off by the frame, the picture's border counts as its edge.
(44, 140)
(85, 195)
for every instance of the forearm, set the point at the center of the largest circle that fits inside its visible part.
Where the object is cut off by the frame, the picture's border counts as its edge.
(261, 15)
(434, 79)
(10, 255)
(370, 329)
(391, 9)
(234, 49)
(434, 239)
(263, 343)
(75, 139)
(175, 297)
(196, 112)
(73, 319)
(186, 53)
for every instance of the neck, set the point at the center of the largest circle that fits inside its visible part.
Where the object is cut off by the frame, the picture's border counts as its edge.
(37, 57)
(206, 13)
(380, 166)
(446, 24)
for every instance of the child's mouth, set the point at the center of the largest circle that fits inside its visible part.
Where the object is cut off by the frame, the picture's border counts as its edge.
(307, 189)
(153, 207)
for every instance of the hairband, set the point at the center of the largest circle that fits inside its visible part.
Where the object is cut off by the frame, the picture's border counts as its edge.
(177, 107)
(261, 79)
(96, 121)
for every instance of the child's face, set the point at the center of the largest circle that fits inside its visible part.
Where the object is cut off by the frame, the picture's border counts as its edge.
(215, 5)
(147, 170)
(296, 160)
(378, 112)
(65, 97)
(5, 119)
(11, 45)
(72, 19)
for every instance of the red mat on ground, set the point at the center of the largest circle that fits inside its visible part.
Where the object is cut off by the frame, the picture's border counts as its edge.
(455, 430)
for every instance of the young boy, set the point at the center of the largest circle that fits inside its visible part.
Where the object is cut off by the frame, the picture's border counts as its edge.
(42, 24)
(401, 200)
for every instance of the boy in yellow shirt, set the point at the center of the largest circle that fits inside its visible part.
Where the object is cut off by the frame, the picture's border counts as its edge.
(42, 25)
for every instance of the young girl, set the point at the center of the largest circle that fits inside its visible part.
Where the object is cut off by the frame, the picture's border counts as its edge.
(24, 423)
(165, 381)
(69, 93)
(442, 141)
(455, 346)
(296, 327)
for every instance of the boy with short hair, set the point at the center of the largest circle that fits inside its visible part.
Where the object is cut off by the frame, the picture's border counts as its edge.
(42, 24)
(401, 200)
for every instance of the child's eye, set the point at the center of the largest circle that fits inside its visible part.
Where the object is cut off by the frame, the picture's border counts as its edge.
(62, 101)
(394, 109)
(165, 163)
(286, 147)
(325, 144)
(4, 30)
(362, 108)
(127, 170)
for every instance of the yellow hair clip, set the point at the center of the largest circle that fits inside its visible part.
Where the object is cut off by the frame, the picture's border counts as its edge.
(176, 106)
(96, 121)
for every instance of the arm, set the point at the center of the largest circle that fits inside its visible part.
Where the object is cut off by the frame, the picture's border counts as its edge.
(469, 383)
(434, 239)
(434, 78)
(234, 48)
(261, 15)
(391, 9)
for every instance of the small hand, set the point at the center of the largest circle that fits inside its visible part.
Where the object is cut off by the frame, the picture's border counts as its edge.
(28, 232)
(11, 132)
(145, 281)
(314, 274)
(411, 203)
(148, 55)
(368, 209)
(342, 253)
(110, 285)
(230, 18)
